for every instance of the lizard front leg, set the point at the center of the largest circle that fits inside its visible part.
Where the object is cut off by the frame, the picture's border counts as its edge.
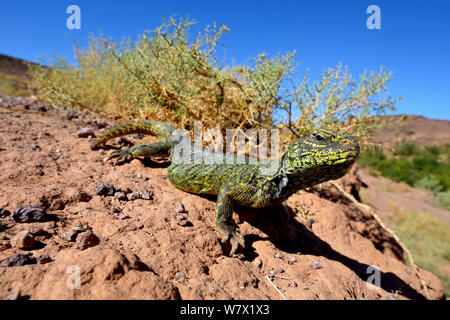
(224, 221)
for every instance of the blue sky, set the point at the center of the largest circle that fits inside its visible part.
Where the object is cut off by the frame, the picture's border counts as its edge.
(413, 42)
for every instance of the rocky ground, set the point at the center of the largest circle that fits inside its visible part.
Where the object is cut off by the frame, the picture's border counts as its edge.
(130, 234)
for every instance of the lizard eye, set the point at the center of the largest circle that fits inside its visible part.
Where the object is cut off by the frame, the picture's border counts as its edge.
(318, 136)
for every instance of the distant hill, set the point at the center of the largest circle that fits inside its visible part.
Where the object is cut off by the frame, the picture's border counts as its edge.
(14, 66)
(14, 75)
(416, 129)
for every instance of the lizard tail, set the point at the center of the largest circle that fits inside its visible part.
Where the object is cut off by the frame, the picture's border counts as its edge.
(151, 127)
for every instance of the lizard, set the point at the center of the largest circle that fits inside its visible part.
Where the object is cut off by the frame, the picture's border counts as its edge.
(321, 156)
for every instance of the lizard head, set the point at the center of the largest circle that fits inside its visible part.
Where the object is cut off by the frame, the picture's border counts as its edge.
(321, 156)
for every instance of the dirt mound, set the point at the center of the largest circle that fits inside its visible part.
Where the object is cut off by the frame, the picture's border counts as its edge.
(129, 241)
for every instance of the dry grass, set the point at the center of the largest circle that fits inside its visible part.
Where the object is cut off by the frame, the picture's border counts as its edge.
(428, 238)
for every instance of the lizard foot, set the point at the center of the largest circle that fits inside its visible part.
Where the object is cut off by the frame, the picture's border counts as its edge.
(233, 235)
(122, 155)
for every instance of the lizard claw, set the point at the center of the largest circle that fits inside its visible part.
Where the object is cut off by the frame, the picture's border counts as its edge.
(120, 156)
(233, 235)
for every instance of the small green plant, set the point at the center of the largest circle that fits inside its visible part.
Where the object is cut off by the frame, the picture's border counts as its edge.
(410, 132)
(442, 200)
(429, 183)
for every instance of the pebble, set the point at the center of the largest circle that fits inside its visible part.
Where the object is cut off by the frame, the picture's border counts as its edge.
(23, 240)
(18, 260)
(86, 240)
(180, 275)
(310, 222)
(105, 189)
(121, 196)
(280, 270)
(134, 196)
(181, 220)
(181, 208)
(257, 262)
(86, 132)
(145, 195)
(293, 284)
(122, 141)
(125, 190)
(4, 213)
(278, 256)
(71, 235)
(43, 259)
(27, 103)
(15, 296)
(317, 265)
(71, 114)
(37, 231)
(4, 245)
(30, 213)
(291, 260)
(121, 216)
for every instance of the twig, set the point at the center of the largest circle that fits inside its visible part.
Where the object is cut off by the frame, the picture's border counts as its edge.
(278, 290)
(373, 213)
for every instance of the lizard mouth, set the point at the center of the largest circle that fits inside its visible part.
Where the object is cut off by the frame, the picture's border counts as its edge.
(346, 156)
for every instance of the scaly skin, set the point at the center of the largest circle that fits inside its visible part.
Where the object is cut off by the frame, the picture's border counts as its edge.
(320, 157)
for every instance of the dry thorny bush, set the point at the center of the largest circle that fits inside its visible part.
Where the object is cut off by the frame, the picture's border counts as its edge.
(164, 75)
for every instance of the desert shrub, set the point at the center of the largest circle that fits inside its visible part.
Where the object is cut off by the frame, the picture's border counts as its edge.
(442, 199)
(429, 183)
(407, 149)
(166, 75)
(419, 167)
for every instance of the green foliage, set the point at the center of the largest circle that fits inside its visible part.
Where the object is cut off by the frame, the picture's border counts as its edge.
(165, 75)
(407, 149)
(427, 168)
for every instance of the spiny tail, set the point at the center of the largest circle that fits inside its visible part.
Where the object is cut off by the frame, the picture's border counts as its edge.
(154, 128)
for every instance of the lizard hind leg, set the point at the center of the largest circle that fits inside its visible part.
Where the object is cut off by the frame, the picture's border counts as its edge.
(157, 149)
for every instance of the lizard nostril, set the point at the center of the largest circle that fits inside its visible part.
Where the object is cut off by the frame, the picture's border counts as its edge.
(345, 141)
